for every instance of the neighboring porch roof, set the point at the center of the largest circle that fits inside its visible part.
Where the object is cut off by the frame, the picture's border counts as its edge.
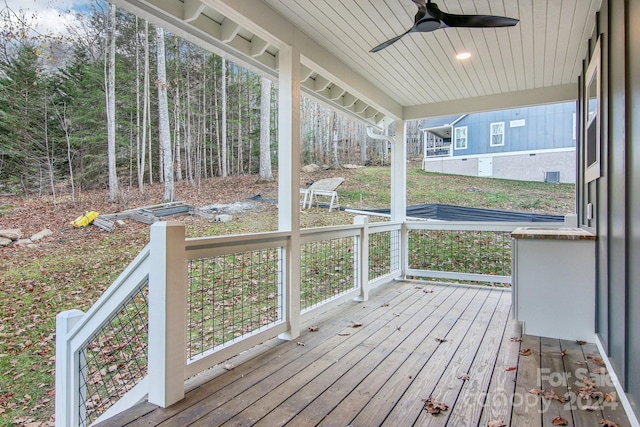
(538, 61)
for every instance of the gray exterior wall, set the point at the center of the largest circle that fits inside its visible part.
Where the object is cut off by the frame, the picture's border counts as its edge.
(615, 196)
(540, 127)
(527, 166)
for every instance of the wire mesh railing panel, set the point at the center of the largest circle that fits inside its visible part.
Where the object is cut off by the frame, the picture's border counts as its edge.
(384, 253)
(327, 270)
(474, 252)
(231, 296)
(114, 360)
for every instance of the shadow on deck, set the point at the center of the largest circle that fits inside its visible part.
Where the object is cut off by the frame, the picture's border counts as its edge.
(375, 363)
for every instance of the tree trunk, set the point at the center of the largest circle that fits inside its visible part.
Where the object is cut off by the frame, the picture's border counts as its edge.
(265, 131)
(111, 108)
(163, 119)
(223, 114)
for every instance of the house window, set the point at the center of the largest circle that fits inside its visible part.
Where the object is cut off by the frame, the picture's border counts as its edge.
(591, 105)
(460, 138)
(497, 134)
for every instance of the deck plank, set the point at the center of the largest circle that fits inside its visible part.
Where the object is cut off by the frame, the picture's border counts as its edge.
(576, 369)
(527, 407)
(409, 406)
(498, 400)
(399, 368)
(471, 400)
(450, 385)
(371, 374)
(553, 379)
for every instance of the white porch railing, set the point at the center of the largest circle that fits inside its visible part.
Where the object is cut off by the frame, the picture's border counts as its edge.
(185, 305)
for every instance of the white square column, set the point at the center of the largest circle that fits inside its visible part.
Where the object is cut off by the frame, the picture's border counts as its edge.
(289, 181)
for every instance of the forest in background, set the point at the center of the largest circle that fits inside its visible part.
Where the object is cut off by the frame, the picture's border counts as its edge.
(117, 103)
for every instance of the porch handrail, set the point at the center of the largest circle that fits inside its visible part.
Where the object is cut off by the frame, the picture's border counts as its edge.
(75, 328)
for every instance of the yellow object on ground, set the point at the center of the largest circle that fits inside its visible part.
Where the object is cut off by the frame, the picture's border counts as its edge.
(85, 219)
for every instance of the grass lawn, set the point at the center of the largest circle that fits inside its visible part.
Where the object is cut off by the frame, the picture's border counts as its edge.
(74, 266)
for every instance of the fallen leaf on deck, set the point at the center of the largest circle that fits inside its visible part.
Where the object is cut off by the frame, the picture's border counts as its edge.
(516, 339)
(580, 342)
(589, 392)
(559, 421)
(563, 353)
(441, 340)
(229, 366)
(586, 381)
(596, 360)
(609, 397)
(608, 423)
(355, 324)
(525, 352)
(463, 377)
(434, 407)
(537, 391)
(556, 396)
(385, 305)
(428, 291)
(496, 423)
(300, 343)
(314, 328)
(510, 368)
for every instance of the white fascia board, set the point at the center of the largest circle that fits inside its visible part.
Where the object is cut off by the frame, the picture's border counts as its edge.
(260, 19)
(547, 95)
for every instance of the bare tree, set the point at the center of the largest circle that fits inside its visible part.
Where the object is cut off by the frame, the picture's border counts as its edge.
(223, 120)
(111, 107)
(265, 131)
(163, 115)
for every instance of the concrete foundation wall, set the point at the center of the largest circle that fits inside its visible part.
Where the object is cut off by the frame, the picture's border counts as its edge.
(521, 166)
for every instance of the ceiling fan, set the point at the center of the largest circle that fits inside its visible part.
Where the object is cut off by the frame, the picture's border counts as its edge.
(430, 18)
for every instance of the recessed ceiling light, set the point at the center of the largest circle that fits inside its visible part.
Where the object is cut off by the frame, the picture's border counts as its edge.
(463, 55)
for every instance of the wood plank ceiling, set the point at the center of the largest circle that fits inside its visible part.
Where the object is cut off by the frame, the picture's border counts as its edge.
(536, 61)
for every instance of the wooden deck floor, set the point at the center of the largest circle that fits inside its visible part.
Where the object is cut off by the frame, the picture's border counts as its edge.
(452, 344)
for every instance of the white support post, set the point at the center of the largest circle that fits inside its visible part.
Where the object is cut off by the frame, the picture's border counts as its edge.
(289, 181)
(363, 254)
(67, 371)
(167, 313)
(399, 188)
(399, 173)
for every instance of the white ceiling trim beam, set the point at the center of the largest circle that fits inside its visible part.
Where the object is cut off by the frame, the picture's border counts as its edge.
(260, 19)
(229, 31)
(201, 30)
(192, 9)
(547, 95)
(258, 46)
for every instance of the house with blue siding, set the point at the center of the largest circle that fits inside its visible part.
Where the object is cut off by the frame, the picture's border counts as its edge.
(536, 143)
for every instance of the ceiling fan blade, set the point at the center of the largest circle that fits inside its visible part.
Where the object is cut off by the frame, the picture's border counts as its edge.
(478, 21)
(390, 41)
(422, 11)
(470, 21)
